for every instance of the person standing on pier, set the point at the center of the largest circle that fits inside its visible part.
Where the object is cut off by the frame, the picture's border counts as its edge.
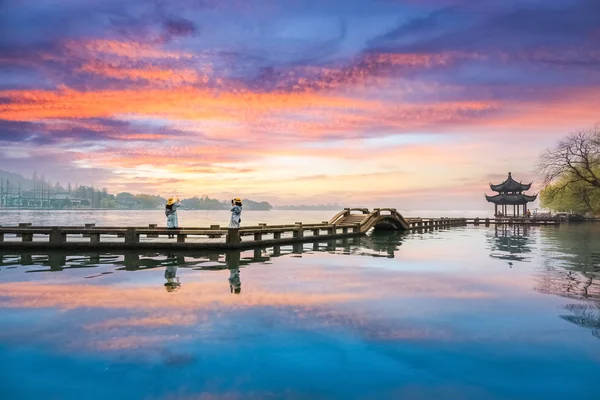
(171, 213)
(236, 213)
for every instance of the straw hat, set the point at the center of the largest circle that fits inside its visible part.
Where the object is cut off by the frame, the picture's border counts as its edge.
(170, 201)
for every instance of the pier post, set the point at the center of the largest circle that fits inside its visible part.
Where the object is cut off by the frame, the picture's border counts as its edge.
(57, 237)
(88, 226)
(27, 237)
(276, 250)
(257, 236)
(152, 235)
(332, 230)
(276, 235)
(298, 248)
(487, 222)
(24, 225)
(356, 227)
(214, 228)
(181, 238)
(477, 221)
(233, 236)
(131, 236)
(298, 232)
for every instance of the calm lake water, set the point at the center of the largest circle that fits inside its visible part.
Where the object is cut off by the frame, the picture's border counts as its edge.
(464, 313)
(189, 218)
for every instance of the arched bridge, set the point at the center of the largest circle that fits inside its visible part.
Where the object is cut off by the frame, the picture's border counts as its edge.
(379, 218)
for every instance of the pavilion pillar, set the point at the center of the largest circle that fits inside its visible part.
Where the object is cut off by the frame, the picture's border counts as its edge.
(495, 210)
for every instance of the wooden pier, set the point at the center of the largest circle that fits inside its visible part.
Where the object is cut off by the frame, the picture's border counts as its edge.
(347, 223)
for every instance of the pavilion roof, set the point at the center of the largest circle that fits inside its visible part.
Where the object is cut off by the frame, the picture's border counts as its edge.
(510, 185)
(510, 199)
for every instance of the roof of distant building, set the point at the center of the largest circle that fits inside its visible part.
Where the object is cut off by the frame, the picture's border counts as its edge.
(510, 185)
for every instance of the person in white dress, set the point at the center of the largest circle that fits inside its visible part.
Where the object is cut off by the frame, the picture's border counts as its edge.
(236, 213)
(171, 213)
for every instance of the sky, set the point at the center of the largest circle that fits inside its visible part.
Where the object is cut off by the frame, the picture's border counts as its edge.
(387, 103)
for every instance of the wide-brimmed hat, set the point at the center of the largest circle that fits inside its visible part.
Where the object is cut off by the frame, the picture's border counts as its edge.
(237, 200)
(170, 201)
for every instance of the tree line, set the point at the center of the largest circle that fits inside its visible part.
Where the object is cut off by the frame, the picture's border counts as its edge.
(17, 191)
(571, 173)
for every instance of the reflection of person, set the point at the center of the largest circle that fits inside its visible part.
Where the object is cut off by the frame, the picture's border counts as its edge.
(232, 259)
(171, 213)
(235, 284)
(172, 284)
(236, 213)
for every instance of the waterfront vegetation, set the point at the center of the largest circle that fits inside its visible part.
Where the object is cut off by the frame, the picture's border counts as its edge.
(17, 191)
(572, 174)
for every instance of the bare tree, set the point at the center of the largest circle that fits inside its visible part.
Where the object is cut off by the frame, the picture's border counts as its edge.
(574, 159)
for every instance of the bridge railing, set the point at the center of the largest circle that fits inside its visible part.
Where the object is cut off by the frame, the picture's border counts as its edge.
(149, 236)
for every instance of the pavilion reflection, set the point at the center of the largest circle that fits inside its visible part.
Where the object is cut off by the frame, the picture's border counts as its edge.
(511, 243)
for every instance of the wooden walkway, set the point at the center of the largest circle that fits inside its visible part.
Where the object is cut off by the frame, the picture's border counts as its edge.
(347, 223)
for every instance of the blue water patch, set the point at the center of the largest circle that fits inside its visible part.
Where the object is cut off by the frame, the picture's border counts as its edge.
(429, 316)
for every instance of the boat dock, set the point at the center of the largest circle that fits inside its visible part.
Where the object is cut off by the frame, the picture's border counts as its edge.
(347, 223)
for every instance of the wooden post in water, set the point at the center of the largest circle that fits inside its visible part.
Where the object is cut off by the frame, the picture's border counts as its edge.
(131, 236)
(152, 235)
(214, 228)
(23, 225)
(57, 237)
(233, 236)
(88, 226)
(298, 232)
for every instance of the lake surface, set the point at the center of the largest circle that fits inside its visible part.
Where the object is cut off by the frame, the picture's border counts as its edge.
(191, 218)
(465, 313)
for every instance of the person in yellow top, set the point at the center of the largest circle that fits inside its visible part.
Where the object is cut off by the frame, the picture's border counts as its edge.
(171, 213)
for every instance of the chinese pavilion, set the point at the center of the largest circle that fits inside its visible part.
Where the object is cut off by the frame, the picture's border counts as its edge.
(510, 192)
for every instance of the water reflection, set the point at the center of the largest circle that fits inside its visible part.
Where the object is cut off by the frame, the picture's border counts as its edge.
(367, 310)
(585, 315)
(172, 284)
(232, 260)
(571, 269)
(511, 243)
(374, 245)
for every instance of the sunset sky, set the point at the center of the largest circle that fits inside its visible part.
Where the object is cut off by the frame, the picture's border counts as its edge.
(390, 103)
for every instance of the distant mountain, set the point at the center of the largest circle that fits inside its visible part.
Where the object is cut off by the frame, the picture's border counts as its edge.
(304, 207)
(15, 180)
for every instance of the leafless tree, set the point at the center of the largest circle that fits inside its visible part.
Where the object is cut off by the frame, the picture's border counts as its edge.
(574, 159)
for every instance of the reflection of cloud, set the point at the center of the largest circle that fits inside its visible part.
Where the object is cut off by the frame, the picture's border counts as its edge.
(28, 295)
(130, 342)
(153, 321)
(154, 314)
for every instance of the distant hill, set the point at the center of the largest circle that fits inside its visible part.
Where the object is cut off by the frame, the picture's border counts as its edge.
(304, 207)
(15, 180)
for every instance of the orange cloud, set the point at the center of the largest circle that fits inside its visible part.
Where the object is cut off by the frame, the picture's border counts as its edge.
(151, 74)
